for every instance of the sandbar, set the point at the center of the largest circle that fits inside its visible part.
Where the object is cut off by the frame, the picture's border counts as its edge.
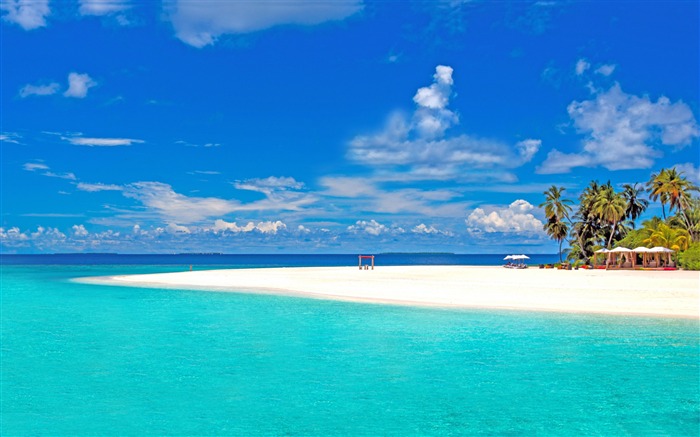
(653, 293)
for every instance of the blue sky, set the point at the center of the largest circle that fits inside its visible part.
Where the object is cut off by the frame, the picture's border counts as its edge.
(331, 126)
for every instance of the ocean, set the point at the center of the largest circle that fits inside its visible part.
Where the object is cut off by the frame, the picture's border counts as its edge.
(82, 359)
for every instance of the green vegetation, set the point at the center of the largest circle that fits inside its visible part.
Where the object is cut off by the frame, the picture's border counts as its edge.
(605, 218)
(690, 259)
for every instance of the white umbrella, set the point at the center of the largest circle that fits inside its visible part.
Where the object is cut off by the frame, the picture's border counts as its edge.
(642, 249)
(509, 257)
(603, 250)
(659, 249)
(521, 257)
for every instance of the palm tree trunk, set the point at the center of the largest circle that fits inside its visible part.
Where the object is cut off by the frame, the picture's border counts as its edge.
(560, 241)
(612, 234)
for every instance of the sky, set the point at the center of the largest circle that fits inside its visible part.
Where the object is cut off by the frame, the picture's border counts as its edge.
(343, 126)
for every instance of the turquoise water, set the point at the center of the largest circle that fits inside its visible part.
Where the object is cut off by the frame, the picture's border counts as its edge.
(81, 359)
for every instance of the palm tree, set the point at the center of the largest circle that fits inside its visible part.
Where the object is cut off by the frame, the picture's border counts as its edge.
(670, 186)
(635, 205)
(557, 230)
(657, 189)
(692, 216)
(554, 205)
(610, 207)
(556, 209)
(665, 236)
(586, 230)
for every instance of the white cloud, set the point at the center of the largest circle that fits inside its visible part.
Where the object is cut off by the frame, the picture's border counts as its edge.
(606, 69)
(39, 90)
(419, 145)
(78, 85)
(79, 231)
(33, 166)
(28, 14)
(528, 148)
(174, 207)
(101, 142)
(267, 227)
(201, 23)
(371, 227)
(581, 66)
(12, 234)
(622, 131)
(82, 186)
(282, 193)
(429, 230)
(516, 218)
(173, 228)
(269, 185)
(9, 137)
(690, 171)
(36, 166)
(103, 7)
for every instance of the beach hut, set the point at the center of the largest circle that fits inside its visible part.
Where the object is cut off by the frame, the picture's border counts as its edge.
(626, 258)
(662, 257)
(595, 255)
(644, 251)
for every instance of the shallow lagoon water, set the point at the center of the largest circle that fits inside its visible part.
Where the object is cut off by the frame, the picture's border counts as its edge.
(80, 359)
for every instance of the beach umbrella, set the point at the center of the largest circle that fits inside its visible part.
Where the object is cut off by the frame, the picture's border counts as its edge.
(509, 257)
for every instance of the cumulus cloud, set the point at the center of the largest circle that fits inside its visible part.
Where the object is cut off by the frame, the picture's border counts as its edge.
(13, 234)
(373, 227)
(28, 14)
(39, 90)
(581, 66)
(266, 227)
(606, 69)
(79, 231)
(173, 228)
(516, 218)
(429, 230)
(623, 131)
(200, 23)
(420, 145)
(101, 142)
(78, 85)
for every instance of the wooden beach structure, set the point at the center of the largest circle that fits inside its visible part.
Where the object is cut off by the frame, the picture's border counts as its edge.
(366, 266)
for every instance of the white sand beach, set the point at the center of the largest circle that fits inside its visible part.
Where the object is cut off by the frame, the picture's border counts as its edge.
(662, 293)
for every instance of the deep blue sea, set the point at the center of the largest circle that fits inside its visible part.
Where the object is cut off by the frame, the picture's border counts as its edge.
(81, 359)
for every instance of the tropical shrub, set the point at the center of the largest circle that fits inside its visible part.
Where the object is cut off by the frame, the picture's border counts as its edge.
(690, 259)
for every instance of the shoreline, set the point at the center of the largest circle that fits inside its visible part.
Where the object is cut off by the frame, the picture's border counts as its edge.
(629, 293)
